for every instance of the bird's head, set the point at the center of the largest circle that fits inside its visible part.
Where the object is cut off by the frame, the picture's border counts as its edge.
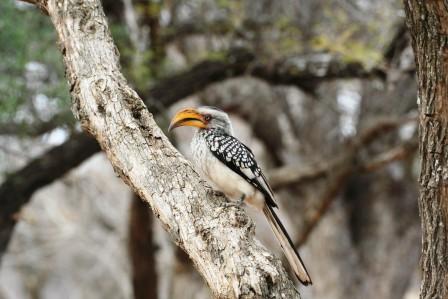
(204, 117)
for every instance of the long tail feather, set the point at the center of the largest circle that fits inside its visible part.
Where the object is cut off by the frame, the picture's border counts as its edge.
(288, 247)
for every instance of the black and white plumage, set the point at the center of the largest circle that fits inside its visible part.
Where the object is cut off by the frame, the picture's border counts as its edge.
(238, 157)
(231, 167)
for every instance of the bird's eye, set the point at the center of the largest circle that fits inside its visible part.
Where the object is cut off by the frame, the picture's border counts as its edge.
(207, 117)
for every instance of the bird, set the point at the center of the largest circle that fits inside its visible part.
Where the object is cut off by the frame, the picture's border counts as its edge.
(232, 168)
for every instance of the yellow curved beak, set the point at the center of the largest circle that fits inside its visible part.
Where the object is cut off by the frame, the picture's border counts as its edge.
(187, 117)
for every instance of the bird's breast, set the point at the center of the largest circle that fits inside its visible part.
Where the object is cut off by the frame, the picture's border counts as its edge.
(220, 175)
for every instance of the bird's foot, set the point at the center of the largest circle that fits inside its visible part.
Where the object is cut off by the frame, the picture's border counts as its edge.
(232, 204)
(237, 203)
(218, 193)
(241, 201)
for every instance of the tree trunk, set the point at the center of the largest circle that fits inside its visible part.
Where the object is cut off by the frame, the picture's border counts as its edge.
(219, 240)
(428, 23)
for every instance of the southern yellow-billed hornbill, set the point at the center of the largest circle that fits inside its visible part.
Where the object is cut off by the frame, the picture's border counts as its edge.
(232, 167)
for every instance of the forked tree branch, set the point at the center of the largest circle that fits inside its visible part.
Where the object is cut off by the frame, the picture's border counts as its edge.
(290, 174)
(220, 241)
(342, 168)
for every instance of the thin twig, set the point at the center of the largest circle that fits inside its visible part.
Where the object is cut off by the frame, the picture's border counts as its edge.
(325, 202)
(342, 167)
(41, 4)
(296, 174)
(400, 152)
(395, 154)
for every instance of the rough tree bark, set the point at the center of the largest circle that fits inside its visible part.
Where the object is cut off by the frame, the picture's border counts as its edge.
(219, 240)
(428, 24)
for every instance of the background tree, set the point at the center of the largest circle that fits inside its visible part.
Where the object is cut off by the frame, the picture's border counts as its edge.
(427, 22)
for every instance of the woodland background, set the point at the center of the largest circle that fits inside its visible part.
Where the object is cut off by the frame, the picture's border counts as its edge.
(324, 93)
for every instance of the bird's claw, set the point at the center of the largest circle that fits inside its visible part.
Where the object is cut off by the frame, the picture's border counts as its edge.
(233, 204)
(238, 203)
(218, 193)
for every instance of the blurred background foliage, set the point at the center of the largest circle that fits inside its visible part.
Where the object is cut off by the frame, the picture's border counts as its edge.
(26, 36)
(323, 91)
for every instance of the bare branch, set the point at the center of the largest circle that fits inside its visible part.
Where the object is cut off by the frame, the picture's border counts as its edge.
(287, 175)
(399, 42)
(343, 173)
(342, 168)
(29, 1)
(305, 72)
(339, 170)
(397, 153)
(179, 31)
(330, 194)
(18, 187)
(36, 128)
(41, 4)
